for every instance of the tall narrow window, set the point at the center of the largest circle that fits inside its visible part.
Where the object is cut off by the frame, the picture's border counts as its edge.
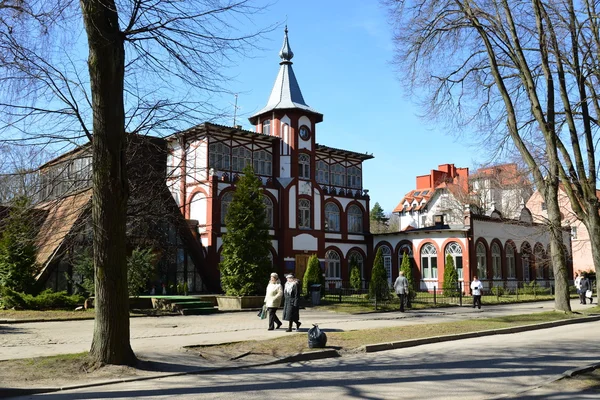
(338, 175)
(332, 217)
(481, 261)
(510, 262)
(240, 157)
(540, 262)
(526, 260)
(354, 178)
(429, 261)
(322, 172)
(266, 127)
(263, 162)
(225, 202)
(355, 219)
(387, 262)
(218, 156)
(268, 210)
(496, 261)
(304, 214)
(455, 251)
(333, 268)
(304, 166)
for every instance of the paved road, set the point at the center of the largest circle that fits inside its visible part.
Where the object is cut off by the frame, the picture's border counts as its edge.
(162, 338)
(479, 368)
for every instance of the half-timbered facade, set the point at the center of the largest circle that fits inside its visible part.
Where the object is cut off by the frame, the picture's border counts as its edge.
(313, 193)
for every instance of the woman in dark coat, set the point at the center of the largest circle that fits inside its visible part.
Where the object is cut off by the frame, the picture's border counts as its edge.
(291, 308)
(584, 286)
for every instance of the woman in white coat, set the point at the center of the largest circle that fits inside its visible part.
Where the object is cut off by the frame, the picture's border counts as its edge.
(273, 300)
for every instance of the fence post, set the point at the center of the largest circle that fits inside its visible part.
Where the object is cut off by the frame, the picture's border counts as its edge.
(517, 290)
(340, 292)
(498, 294)
(434, 295)
(460, 289)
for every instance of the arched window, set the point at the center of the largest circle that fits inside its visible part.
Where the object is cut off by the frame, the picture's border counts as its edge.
(304, 166)
(496, 261)
(510, 261)
(387, 262)
(332, 217)
(263, 162)
(268, 210)
(225, 202)
(218, 156)
(355, 219)
(455, 251)
(481, 261)
(266, 127)
(322, 172)
(429, 261)
(304, 214)
(526, 260)
(355, 257)
(539, 261)
(333, 266)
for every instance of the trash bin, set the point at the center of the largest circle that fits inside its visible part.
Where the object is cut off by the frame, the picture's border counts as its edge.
(315, 294)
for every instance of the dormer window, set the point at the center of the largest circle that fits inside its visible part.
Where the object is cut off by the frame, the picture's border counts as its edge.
(266, 127)
(424, 192)
(416, 193)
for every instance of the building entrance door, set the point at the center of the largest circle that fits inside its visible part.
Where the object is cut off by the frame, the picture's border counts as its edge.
(301, 263)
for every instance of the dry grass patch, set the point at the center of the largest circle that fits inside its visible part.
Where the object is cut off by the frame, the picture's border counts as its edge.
(58, 315)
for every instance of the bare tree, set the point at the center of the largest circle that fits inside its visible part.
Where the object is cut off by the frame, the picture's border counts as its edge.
(525, 71)
(149, 62)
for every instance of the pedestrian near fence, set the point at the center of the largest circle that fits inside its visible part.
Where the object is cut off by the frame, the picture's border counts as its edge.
(273, 300)
(476, 291)
(401, 288)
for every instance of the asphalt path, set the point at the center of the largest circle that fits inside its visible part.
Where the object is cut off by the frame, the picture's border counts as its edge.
(478, 368)
(162, 338)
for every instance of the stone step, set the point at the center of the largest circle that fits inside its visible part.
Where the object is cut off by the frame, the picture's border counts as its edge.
(198, 311)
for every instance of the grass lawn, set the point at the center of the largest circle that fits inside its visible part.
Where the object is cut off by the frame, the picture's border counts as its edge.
(68, 314)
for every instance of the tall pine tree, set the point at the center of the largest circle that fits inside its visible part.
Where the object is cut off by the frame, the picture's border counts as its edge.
(246, 245)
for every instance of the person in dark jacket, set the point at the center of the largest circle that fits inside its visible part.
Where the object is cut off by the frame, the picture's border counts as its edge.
(584, 286)
(291, 307)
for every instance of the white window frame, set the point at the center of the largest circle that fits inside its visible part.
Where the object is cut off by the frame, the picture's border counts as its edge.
(496, 261)
(263, 163)
(455, 251)
(386, 252)
(481, 257)
(322, 172)
(304, 166)
(266, 127)
(240, 158)
(219, 156)
(429, 261)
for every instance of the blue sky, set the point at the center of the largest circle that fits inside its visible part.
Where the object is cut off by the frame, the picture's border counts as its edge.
(342, 60)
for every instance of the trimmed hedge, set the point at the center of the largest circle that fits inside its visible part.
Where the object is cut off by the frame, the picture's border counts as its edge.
(46, 300)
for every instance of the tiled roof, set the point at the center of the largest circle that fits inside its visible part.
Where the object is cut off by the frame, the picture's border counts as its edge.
(62, 215)
(208, 128)
(415, 195)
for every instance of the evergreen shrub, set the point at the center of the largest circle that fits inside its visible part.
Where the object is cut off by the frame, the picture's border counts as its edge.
(378, 287)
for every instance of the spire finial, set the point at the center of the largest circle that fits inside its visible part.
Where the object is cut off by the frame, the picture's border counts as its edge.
(286, 53)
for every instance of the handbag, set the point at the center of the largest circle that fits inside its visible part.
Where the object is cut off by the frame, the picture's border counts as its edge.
(262, 314)
(588, 294)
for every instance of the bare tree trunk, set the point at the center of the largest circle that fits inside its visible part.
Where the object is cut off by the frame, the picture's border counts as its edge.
(593, 228)
(562, 300)
(106, 64)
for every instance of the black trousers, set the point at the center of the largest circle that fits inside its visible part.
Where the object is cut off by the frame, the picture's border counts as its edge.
(273, 319)
(403, 298)
(477, 300)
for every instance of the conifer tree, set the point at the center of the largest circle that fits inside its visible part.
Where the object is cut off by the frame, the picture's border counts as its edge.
(312, 275)
(379, 288)
(246, 245)
(355, 278)
(17, 249)
(406, 268)
(450, 278)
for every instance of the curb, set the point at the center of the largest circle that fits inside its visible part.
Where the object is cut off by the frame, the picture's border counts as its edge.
(371, 348)
(323, 354)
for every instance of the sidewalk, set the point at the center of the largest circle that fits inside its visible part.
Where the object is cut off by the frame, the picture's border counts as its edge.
(162, 340)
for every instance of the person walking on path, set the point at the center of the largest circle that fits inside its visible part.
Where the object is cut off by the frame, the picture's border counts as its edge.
(401, 288)
(476, 289)
(273, 300)
(291, 307)
(578, 286)
(584, 287)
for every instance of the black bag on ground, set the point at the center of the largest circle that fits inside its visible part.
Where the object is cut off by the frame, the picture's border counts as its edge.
(316, 337)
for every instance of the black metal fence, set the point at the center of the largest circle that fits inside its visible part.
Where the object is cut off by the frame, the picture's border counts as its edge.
(494, 292)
